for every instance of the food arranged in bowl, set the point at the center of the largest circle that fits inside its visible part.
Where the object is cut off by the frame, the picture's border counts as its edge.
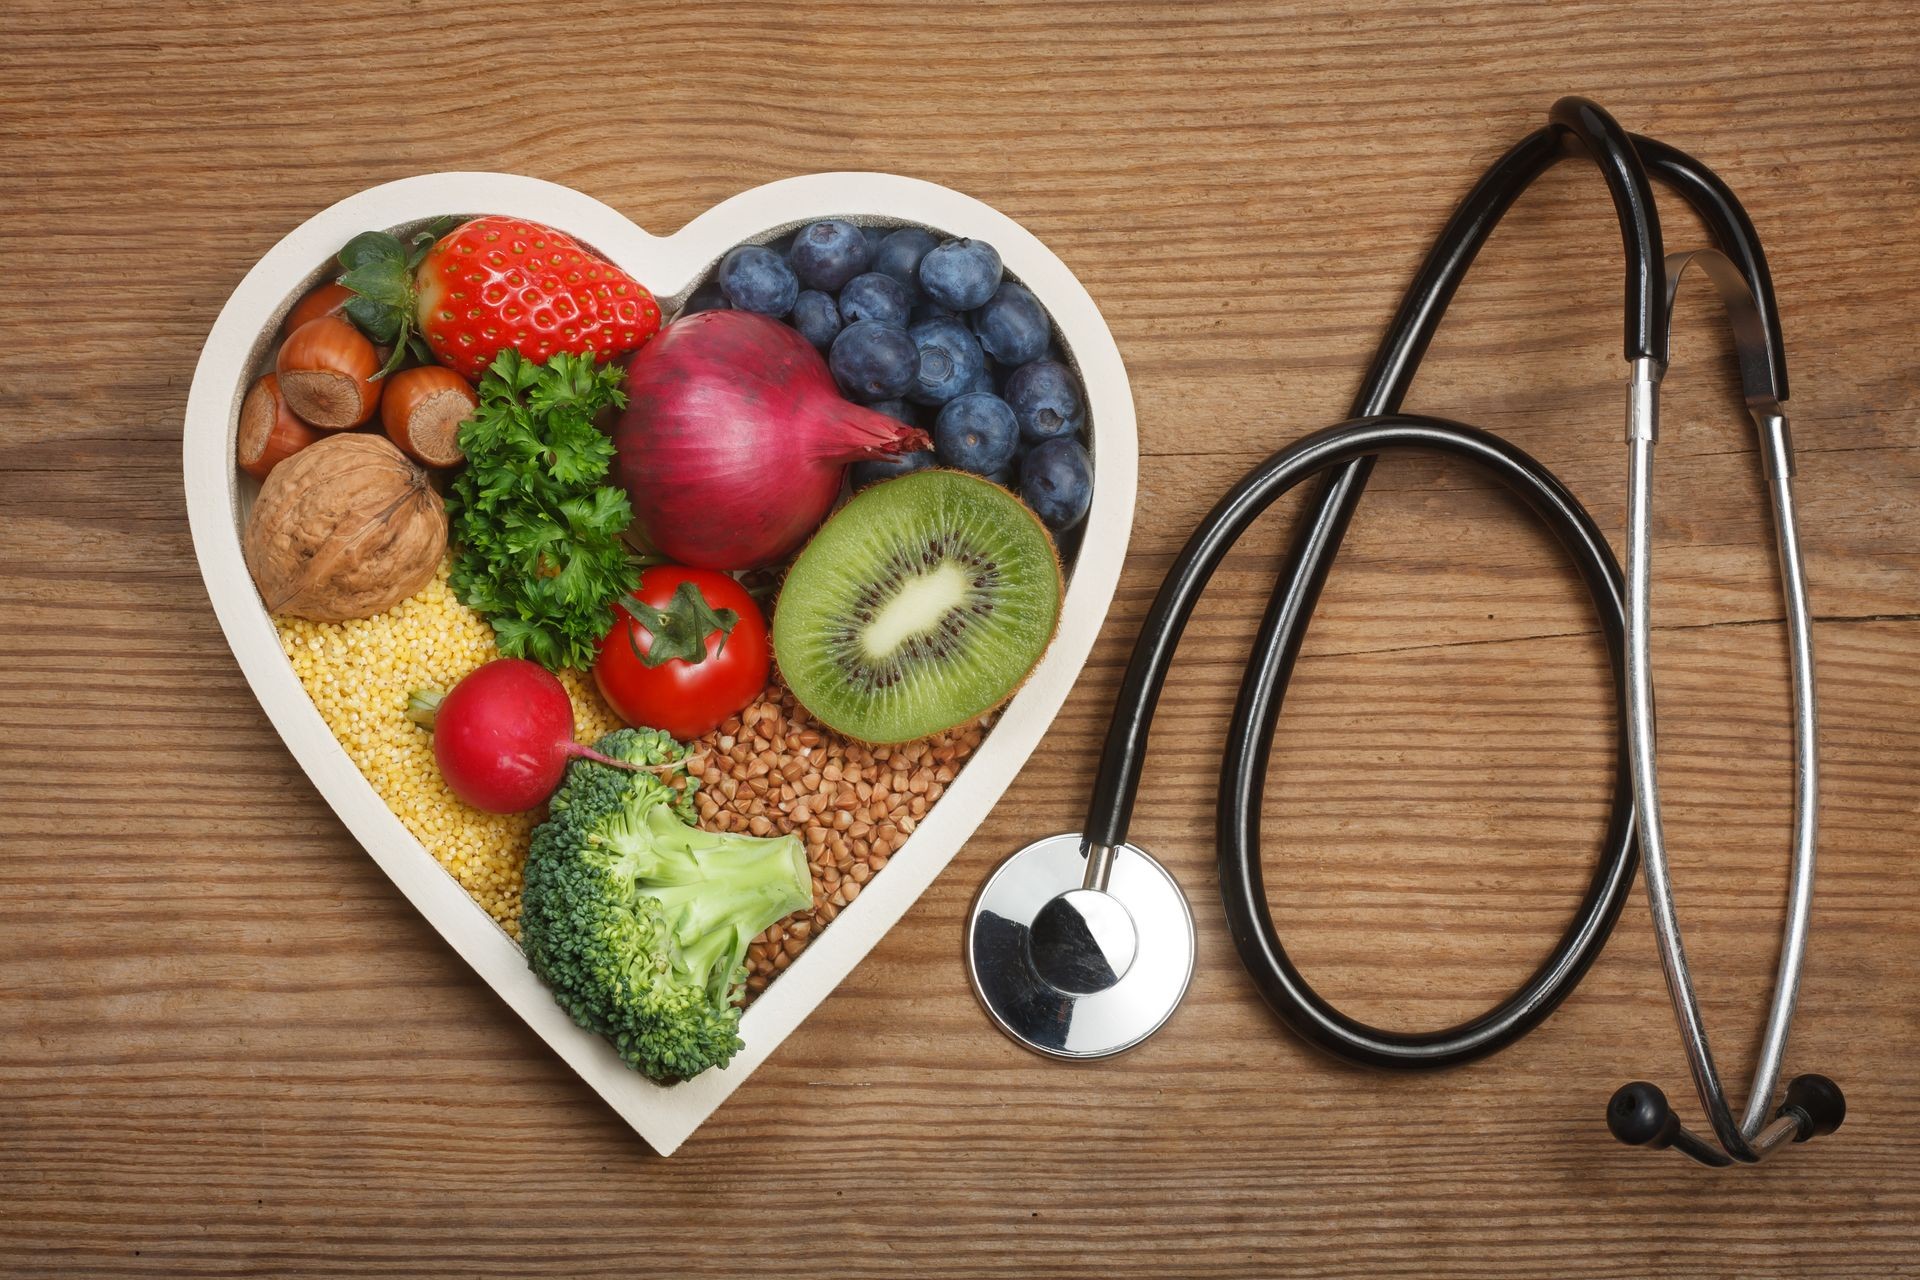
(662, 639)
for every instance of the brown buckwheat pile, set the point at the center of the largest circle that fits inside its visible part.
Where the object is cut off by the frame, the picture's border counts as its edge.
(772, 770)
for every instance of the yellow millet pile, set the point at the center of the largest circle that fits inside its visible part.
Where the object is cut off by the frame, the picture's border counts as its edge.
(359, 675)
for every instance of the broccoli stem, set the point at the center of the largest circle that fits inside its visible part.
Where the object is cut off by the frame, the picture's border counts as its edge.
(718, 890)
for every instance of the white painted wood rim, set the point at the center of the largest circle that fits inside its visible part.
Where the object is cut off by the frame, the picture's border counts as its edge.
(669, 265)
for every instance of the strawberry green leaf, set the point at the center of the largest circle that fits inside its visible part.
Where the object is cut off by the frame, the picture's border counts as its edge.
(371, 247)
(378, 322)
(379, 271)
(428, 236)
(385, 283)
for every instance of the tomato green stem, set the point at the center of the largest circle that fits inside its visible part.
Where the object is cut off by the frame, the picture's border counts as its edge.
(681, 629)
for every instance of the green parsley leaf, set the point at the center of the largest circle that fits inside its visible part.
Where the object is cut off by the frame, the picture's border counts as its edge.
(537, 536)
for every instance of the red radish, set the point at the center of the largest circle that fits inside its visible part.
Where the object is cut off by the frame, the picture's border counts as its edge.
(503, 735)
(735, 439)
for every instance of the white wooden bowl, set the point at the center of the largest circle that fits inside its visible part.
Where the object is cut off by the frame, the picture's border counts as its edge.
(217, 497)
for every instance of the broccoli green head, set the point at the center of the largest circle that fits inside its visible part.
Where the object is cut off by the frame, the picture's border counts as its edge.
(639, 921)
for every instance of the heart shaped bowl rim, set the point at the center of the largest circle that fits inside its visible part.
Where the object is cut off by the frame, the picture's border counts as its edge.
(670, 265)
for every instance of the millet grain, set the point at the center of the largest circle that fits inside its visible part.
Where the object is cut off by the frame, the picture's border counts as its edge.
(359, 675)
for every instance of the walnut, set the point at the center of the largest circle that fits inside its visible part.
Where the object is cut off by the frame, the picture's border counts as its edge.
(346, 528)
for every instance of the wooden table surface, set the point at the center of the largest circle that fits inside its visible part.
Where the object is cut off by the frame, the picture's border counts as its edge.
(228, 1046)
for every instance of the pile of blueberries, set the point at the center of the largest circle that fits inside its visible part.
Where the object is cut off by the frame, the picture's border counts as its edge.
(928, 332)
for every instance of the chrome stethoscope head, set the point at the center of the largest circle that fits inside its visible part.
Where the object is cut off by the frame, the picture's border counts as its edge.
(1081, 946)
(1078, 952)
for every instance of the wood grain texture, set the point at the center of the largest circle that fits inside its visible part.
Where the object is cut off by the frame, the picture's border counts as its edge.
(228, 1047)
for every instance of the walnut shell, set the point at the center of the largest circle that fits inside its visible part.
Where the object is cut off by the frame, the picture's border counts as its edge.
(346, 528)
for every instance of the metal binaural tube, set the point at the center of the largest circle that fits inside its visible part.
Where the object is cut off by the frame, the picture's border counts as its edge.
(1806, 792)
(1642, 426)
(1759, 1129)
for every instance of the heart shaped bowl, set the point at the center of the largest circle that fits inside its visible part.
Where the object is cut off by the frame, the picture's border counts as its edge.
(218, 496)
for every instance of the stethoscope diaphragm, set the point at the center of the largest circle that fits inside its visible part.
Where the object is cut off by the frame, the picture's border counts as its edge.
(1076, 956)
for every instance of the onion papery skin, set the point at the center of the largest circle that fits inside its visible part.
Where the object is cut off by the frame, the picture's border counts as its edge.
(735, 439)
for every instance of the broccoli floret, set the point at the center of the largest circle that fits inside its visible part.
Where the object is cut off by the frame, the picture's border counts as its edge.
(638, 921)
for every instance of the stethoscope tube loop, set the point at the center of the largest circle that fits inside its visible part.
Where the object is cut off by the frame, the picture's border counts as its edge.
(1255, 716)
(1585, 126)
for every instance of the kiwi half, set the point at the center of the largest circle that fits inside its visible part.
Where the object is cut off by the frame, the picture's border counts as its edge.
(922, 603)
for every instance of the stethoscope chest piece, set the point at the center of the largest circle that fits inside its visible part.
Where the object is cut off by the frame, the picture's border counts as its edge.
(1076, 955)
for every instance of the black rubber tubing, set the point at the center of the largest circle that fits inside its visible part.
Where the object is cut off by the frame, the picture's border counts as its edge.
(1243, 777)
(1574, 126)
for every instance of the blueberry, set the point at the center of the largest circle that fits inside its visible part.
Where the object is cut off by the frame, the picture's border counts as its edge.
(872, 470)
(1056, 480)
(1012, 325)
(872, 296)
(816, 317)
(950, 360)
(873, 236)
(873, 361)
(1045, 396)
(977, 433)
(706, 298)
(899, 411)
(960, 274)
(755, 278)
(924, 310)
(899, 256)
(1006, 477)
(825, 255)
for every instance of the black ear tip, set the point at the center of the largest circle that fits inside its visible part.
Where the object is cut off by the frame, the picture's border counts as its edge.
(1639, 1115)
(1819, 1104)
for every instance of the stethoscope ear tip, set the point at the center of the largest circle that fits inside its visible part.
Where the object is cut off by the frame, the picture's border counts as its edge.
(1640, 1116)
(1816, 1103)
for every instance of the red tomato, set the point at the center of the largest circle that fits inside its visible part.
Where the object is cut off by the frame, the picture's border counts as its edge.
(648, 679)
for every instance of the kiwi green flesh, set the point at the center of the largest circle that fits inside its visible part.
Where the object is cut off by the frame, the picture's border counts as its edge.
(921, 604)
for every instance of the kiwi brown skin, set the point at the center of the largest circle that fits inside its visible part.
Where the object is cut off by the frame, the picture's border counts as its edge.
(1058, 573)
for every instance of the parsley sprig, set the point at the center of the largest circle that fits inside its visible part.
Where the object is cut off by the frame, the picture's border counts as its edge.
(539, 551)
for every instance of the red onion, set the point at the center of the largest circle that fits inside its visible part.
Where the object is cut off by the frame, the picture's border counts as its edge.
(735, 438)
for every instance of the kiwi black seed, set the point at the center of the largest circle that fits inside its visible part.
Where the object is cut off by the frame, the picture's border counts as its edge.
(921, 604)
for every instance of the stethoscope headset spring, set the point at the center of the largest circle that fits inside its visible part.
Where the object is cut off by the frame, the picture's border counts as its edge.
(1075, 943)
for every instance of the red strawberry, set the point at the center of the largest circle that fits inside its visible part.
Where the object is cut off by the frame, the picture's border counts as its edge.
(491, 284)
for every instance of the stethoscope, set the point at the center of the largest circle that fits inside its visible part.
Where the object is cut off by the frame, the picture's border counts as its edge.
(1081, 945)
